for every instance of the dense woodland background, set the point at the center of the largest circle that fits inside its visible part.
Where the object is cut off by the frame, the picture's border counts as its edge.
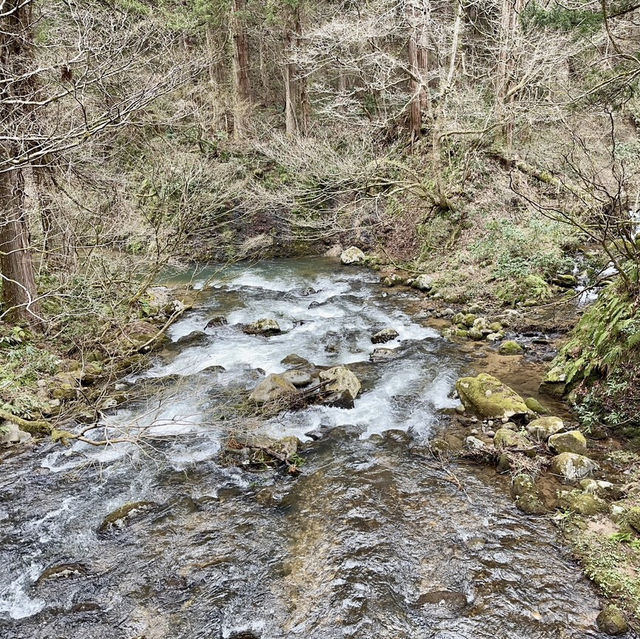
(490, 143)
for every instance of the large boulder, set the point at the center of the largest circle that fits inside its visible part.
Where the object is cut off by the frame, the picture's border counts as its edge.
(543, 427)
(265, 327)
(572, 466)
(352, 255)
(384, 336)
(582, 503)
(342, 385)
(572, 441)
(489, 398)
(271, 389)
(298, 377)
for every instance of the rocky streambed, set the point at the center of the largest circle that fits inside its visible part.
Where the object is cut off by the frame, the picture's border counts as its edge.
(184, 531)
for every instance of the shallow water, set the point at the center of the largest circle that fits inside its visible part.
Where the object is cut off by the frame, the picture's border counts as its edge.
(374, 539)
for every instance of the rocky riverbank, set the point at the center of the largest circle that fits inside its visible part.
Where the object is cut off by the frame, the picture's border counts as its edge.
(586, 481)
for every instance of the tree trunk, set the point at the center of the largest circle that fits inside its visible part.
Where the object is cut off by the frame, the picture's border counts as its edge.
(241, 83)
(19, 293)
(415, 106)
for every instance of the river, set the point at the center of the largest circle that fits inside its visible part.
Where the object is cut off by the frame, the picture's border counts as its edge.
(375, 538)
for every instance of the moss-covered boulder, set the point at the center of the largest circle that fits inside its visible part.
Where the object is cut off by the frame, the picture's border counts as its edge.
(142, 335)
(632, 518)
(572, 466)
(544, 427)
(272, 388)
(506, 438)
(526, 495)
(488, 397)
(352, 255)
(265, 327)
(534, 405)
(555, 382)
(510, 347)
(586, 504)
(423, 282)
(572, 441)
(611, 621)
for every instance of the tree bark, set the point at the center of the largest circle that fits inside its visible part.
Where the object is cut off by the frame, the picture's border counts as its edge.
(19, 292)
(241, 82)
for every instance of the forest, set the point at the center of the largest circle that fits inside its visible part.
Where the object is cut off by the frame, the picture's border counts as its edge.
(312, 264)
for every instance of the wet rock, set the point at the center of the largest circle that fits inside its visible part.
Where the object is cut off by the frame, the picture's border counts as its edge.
(544, 427)
(392, 280)
(473, 443)
(555, 382)
(272, 388)
(494, 337)
(298, 378)
(423, 282)
(506, 438)
(123, 516)
(572, 466)
(488, 397)
(526, 495)
(384, 336)
(195, 338)
(294, 360)
(534, 405)
(611, 621)
(216, 321)
(265, 327)
(455, 601)
(582, 503)
(62, 571)
(572, 441)
(504, 464)
(334, 251)
(11, 435)
(446, 444)
(352, 255)
(475, 334)
(382, 355)
(342, 386)
(565, 280)
(510, 347)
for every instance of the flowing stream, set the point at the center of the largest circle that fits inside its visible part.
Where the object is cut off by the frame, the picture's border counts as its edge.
(374, 539)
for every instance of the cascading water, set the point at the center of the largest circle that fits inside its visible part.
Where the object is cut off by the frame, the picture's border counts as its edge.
(374, 539)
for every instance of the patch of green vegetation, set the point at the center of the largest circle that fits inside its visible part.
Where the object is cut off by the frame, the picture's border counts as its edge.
(581, 21)
(612, 562)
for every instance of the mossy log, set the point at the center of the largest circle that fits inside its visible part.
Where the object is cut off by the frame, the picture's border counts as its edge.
(35, 427)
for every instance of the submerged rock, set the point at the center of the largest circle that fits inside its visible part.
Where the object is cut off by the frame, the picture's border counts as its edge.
(384, 336)
(218, 320)
(572, 466)
(122, 516)
(543, 427)
(611, 621)
(265, 327)
(488, 397)
(272, 388)
(382, 355)
(352, 255)
(572, 441)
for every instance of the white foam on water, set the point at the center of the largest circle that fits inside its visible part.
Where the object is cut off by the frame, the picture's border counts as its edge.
(14, 598)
